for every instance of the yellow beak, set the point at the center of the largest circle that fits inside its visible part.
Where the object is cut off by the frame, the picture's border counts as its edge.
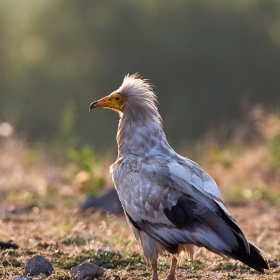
(112, 101)
(103, 102)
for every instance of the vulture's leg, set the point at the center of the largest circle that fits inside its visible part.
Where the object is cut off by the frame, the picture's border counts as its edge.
(155, 269)
(171, 275)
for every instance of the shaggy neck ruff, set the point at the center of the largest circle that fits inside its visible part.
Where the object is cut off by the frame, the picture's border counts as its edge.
(140, 127)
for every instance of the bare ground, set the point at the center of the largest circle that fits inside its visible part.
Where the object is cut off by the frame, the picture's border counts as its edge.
(55, 229)
(68, 238)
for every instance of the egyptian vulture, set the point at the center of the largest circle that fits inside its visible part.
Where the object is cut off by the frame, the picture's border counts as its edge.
(171, 204)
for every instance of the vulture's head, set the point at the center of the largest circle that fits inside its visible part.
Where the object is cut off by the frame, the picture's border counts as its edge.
(135, 99)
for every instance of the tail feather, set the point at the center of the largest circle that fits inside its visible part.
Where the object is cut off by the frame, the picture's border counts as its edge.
(247, 252)
(253, 258)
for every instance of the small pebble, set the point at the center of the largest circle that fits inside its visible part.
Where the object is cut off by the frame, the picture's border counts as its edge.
(273, 264)
(38, 264)
(87, 271)
(104, 249)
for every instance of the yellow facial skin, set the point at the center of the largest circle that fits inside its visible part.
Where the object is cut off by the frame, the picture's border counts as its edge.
(113, 101)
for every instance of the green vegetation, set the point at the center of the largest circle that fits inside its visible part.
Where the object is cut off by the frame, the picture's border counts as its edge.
(52, 183)
(244, 194)
(205, 59)
(211, 63)
(274, 146)
(86, 160)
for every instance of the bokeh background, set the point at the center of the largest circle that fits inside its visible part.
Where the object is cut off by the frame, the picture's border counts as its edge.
(215, 65)
(210, 61)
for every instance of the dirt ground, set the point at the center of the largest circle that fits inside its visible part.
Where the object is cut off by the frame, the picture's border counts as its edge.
(67, 238)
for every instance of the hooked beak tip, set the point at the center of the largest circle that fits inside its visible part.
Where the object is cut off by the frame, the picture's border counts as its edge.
(93, 105)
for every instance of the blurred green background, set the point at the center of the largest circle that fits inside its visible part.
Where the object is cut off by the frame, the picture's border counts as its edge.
(209, 62)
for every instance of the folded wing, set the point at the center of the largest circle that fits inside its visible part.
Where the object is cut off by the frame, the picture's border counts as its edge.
(176, 202)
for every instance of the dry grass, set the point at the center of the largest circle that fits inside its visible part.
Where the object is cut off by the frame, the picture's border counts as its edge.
(68, 238)
(55, 229)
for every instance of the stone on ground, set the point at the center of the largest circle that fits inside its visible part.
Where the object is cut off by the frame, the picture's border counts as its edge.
(87, 271)
(38, 264)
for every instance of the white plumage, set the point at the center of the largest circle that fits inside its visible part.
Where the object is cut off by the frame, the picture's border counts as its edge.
(170, 202)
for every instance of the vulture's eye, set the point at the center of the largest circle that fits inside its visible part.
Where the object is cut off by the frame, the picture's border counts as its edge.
(117, 98)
